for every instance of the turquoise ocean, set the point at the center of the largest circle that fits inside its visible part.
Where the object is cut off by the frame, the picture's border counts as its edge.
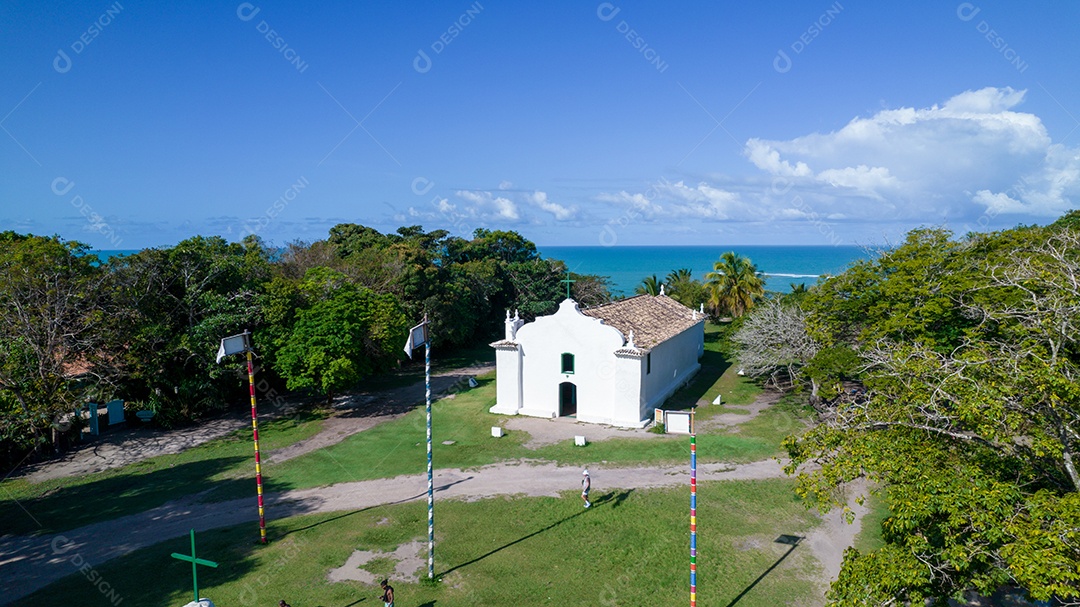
(627, 266)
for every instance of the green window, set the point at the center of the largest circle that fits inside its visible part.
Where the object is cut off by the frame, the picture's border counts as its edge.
(567, 362)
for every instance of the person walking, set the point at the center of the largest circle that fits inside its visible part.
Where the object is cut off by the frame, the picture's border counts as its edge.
(586, 484)
(388, 594)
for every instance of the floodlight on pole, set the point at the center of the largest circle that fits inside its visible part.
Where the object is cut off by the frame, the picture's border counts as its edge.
(242, 344)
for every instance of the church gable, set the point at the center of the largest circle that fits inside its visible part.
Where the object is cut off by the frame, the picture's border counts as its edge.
(653, 319)
(572, 321)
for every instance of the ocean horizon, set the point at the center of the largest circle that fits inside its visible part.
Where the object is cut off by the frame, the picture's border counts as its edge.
(626, 266)
(782, 265)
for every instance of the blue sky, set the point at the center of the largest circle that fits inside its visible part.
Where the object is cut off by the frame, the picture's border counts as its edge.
(129, 124)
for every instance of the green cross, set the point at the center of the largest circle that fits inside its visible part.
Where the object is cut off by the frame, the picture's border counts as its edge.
(194, 563)
(567, 280)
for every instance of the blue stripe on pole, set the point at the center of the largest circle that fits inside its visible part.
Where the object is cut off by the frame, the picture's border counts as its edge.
(430, 478)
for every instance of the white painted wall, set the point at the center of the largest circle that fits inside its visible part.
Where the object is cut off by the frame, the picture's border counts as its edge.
(507, 381)
(674, 362)
(626, 392)
(542, 344)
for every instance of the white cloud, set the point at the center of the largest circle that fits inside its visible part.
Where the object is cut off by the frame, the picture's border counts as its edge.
(485, 205)
(561, 213)
(664, 199)
(973, 153)
(764, 156)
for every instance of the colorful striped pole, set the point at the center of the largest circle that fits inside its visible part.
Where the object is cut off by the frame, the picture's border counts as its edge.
(693, 521)
(430, 483)
(258, 465)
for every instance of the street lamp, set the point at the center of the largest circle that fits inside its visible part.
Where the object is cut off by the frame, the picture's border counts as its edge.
(235, 345)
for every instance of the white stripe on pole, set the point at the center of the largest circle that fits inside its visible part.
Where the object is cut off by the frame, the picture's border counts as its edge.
(430, 484)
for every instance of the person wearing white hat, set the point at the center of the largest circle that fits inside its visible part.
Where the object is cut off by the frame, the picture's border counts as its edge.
(586, 484)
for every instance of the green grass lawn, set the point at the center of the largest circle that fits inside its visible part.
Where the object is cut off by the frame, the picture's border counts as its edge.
(631, 548)
(869, 538)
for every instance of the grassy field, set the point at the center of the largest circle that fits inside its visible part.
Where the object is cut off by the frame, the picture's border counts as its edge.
(631, 548)
(222, 469)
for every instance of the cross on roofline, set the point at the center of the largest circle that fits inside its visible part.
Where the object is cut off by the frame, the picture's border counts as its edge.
(568, 280)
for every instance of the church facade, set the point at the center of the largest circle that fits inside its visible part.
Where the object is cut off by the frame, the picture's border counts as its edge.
(610, 364)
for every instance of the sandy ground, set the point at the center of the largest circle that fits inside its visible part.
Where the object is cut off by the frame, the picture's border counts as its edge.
(407, 557)
(125, 446)
(551, 431)
(725, 420)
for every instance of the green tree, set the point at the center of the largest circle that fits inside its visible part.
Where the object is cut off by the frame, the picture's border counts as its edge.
(685, 289)
(342, 339)
(734, 285)
(173, 307)
(52, 307)
(971, 423)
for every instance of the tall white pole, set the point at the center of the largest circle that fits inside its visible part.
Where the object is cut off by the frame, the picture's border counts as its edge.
(430, 482)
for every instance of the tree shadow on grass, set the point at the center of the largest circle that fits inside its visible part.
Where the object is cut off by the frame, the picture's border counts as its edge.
(713, 365)
(792, 541)
(113, 494)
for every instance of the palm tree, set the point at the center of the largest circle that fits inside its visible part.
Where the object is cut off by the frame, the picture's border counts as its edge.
(683, 288)
(675, 277)
(734, 284)
(798, 288)
(650, 285)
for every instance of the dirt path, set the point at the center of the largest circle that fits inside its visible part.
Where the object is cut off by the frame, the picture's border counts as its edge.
(363, 410)
(127, 446)
(30, 563)
(353, 412)
(726, 420)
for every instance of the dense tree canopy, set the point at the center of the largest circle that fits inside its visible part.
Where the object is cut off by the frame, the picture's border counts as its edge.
(145, 327)
(52, 310)
(970, 422)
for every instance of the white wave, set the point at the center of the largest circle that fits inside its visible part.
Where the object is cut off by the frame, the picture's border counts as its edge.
(793, 275)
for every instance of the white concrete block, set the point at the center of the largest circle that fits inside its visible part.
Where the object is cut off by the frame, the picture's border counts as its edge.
(716, 401)
(496, 431)
(579, 441)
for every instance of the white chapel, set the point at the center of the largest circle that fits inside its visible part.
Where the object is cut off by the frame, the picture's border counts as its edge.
(609, 364)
